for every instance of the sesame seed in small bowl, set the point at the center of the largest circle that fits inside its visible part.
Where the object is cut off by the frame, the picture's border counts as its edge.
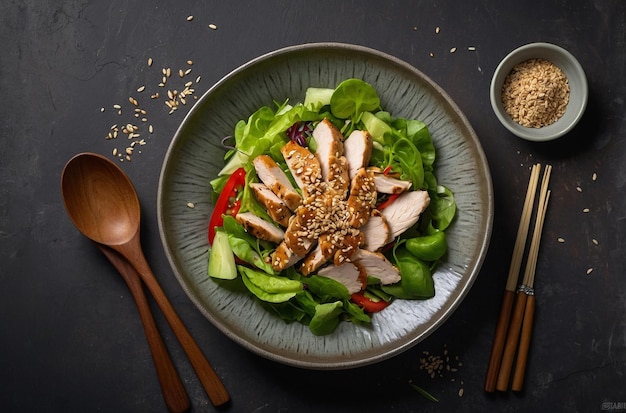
(539, 92)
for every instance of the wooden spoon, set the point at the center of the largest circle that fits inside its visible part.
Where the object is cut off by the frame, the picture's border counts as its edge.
(172, 387)
(102, 202)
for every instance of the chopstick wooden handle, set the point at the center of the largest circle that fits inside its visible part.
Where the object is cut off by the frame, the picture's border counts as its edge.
(511, 343)
(498, 341)
(524, 344)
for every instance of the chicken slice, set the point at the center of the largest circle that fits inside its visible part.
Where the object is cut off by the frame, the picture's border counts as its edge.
(376, 265)
(347, 274)
(389, 185)
(358, 150)
(304, 166)
(297, 235)
(376, 232)
(362, 199)
(275, 179)
(283, 257)
(338, 176)
(313, 261)
(329, 143)
(260, 228)
(275, 207)
(405, 211)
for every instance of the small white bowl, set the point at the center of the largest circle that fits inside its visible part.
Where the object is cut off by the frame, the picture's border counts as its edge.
(577, 84)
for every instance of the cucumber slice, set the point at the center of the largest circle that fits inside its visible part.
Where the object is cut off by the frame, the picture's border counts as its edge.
(221, 258)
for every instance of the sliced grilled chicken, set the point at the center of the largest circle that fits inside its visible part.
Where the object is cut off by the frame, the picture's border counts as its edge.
(405, 211)
(275, 207)
(297, 235)
(358, 150)
(389, 185)
(362, 199)
(376, 232)
(376, 265)
(329, 143)
(313, 261)
(304, 166)
(260, 228)
(283, 257)
(275, 179)
(338, 176)
(350, 243)
(348, 274)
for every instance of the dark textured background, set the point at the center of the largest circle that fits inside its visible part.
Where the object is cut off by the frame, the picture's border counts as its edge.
(71, 337)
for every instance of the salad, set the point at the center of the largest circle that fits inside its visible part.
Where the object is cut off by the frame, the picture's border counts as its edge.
(327, 210)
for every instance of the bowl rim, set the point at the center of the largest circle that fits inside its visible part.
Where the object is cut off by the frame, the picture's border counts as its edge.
(473, 269)
(517, 55)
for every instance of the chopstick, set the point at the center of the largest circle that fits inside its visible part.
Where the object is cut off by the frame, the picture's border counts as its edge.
(509, 291)
(521, 315)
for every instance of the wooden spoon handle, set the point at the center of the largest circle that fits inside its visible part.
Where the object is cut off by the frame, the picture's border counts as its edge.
(498, 341)
(210, 381)
(524, 344)
(172, 387)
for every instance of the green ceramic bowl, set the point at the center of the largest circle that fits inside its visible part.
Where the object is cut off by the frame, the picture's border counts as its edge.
(195, 156)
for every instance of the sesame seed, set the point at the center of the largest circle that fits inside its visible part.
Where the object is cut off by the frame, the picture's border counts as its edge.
(437, 29)
(579, 189)
(212, 26)
(595, 241)
(101, 109)
(114, 151)
(453, 50)
(589, 271)
(594, 176)
(117, 106)
(181, 73)
(586, 210)
(150, 128)
(471, 48)
(141, 89)
(190, 62)
(189, 18)
(431, 54)
(191, 205)
(149, 62)
(561, 240)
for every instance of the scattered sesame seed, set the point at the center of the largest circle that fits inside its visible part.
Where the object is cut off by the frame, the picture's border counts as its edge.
(117, 106)
(561, 240)
(189, 18)
(595, 241)
(102, 109)
(212, 26)
(471, 48)
(594, 176)
(141, 89)
(589, 271)
(431, 54)
(198, 79)
(150, 129)
(579, 189)
(414, 28)
(586, 210)
(149, 62)
(437, 29)
(461, 392)
(191, 205)
(453, 50)
(190, 62)
(114, 151)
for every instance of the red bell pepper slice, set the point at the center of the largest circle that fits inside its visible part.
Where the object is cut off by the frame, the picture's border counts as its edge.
(367, 304)
(225, 204)
(387, 202)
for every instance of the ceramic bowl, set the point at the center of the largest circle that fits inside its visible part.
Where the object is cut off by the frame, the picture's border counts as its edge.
(195, 156)
(577, 84)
